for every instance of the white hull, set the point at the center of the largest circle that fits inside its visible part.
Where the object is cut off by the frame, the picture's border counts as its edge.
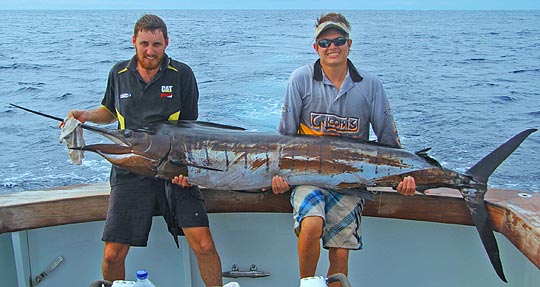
(396, 253)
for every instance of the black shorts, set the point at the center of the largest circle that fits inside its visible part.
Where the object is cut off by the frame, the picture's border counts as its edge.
(132, 206)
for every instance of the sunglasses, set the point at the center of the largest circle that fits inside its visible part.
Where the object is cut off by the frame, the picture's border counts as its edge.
(339, 41)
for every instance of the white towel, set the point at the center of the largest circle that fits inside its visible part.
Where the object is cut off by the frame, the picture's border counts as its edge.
(72, 133)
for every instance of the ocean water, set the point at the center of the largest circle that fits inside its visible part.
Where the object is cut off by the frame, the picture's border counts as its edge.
(460, 82)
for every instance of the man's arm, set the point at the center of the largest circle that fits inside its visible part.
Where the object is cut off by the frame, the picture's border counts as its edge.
(100, 115)
(382, 119)
(385, 129)
(292, 107)
(290, 121)
(189, 111)
(190, 95)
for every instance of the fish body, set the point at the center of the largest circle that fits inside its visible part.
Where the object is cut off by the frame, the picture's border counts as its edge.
(223, 158)
(229, 158)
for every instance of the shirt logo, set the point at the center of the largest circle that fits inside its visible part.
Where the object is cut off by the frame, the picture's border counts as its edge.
(166, 92)
(125, 95)
(285, 109)
(333, 123)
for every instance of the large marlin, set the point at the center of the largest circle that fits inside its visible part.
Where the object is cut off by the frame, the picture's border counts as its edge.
(229, 158)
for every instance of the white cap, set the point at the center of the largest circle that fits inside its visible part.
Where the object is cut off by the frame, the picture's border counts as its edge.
(330, 24)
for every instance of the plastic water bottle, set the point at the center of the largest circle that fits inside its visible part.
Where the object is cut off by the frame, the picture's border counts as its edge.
(142, 279)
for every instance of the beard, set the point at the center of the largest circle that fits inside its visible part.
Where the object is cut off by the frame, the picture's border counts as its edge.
(149, 64)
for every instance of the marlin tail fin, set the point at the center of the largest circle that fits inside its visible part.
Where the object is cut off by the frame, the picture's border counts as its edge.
(474, 196)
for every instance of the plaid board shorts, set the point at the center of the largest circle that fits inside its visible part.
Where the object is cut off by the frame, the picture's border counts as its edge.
(341, 215)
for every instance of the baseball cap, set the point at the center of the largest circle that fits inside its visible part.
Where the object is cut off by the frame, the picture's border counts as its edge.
(330, 24)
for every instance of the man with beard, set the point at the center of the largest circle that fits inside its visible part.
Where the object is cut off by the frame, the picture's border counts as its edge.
(147, 88)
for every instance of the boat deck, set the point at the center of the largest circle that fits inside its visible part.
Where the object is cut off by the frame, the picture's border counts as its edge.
(515, 214)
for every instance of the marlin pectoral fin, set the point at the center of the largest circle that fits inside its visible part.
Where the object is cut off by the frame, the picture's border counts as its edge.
(480, 216)
(107, 149)
(182, 162)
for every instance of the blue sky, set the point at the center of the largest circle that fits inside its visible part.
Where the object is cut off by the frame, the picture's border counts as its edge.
(275, 4)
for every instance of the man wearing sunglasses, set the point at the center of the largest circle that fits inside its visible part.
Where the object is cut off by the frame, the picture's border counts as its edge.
(332, 97)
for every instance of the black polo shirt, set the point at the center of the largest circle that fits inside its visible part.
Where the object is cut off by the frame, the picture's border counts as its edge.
(172, 95)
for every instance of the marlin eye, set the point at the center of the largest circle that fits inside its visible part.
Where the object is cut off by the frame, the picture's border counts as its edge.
(128, 133)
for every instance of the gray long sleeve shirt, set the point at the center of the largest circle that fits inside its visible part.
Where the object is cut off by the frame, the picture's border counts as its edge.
(313, 105)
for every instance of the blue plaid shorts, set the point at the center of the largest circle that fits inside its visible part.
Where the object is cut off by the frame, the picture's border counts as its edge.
(341, 215)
